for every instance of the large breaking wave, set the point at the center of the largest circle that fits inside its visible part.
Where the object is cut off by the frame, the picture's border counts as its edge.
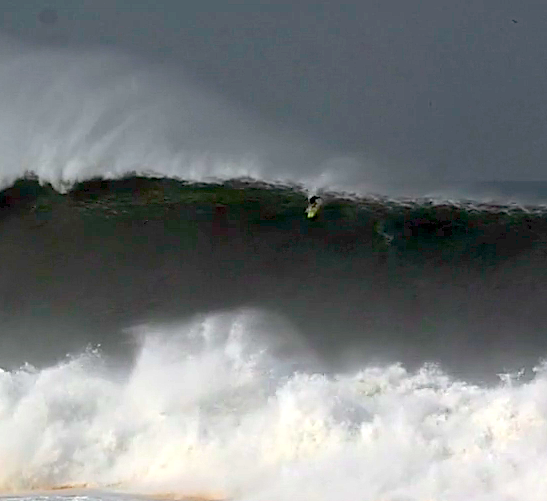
(230, 402)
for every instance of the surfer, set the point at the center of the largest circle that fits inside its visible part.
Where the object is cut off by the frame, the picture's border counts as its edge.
(314, 204)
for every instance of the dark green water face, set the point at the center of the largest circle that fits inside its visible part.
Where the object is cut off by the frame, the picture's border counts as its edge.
(368, 281)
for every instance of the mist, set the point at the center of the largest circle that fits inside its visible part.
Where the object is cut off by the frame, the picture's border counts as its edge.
(398, 98)
(414, 91)
(73, 114)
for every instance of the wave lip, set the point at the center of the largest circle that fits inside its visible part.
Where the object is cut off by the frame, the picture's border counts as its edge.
(29, 187)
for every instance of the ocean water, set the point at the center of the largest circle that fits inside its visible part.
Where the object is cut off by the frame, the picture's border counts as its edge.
(173, 327)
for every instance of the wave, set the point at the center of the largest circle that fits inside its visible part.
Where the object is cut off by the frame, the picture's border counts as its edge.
(236, 349)
(208, 407)
(397, 280)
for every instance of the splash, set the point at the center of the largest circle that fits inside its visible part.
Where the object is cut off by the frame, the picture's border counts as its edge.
(208, 408)
(71, 115)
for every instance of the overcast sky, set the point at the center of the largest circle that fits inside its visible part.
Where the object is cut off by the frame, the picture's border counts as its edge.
(449, 89)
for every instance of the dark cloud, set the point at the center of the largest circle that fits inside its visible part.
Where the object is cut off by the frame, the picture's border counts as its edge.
(48, 16)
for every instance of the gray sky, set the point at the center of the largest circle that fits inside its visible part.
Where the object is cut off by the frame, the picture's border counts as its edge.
(432, 88)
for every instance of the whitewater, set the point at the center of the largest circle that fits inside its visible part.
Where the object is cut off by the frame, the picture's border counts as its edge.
(227, 403)
(205, 410)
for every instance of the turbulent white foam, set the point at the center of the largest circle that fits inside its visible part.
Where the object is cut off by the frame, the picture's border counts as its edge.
(208, 408)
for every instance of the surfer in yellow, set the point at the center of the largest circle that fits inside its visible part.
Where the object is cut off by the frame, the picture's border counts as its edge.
(314, 205)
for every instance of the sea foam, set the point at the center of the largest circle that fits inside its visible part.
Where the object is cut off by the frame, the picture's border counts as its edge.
(209, 408)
